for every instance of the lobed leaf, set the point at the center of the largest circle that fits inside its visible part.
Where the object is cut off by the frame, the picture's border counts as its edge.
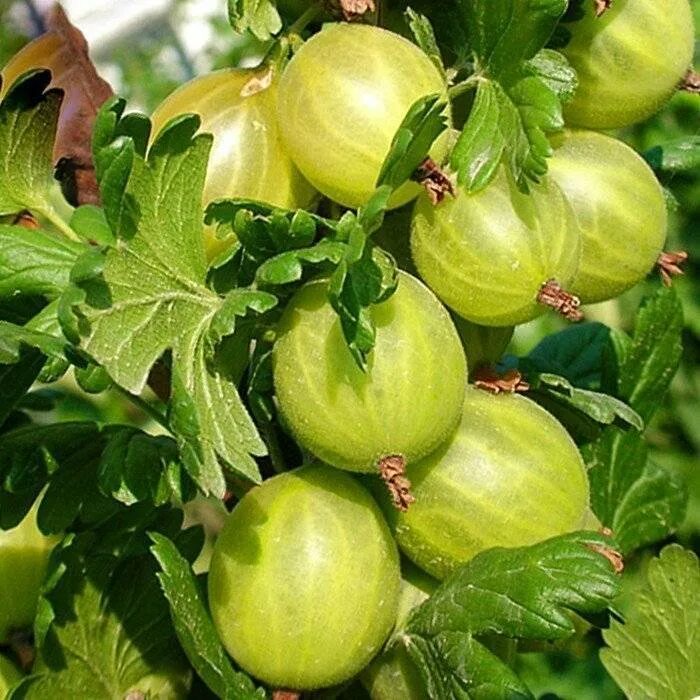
(525, 592)
(656, 652)
(153, 298)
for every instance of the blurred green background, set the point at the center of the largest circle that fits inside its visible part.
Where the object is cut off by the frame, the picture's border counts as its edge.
(155, 45)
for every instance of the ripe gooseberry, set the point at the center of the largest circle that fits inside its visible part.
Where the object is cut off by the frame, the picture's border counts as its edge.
(304, 580)
(405, 404)
(342, 98)
(247, 158)
(510, 476)
(24, 555)
(487, 254)
(10, 675)
(619, 206)
(629, 61)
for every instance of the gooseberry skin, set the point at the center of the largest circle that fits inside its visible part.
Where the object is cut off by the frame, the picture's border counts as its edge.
(406, 403)
(342, 98)
(510, 476)
(24, 555)
(304, 580)
(487, 254)
(629, 61)
(619, 206)
(10, 675)
(247, 159)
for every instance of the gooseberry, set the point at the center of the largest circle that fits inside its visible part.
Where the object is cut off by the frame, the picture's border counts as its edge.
(405, 404)
(24, 555)
(487, 254)
(619, 206)
(629, 61)
(10, 675)
(247, 157)
(510, 476)
(304, 580)
(342, 98)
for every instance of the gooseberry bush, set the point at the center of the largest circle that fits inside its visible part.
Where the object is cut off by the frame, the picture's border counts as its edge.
(338, 475)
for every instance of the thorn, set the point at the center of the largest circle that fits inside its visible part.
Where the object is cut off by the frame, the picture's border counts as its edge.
(691, 82)
(669, 264)
(434, 180)
(488, 379)
(551, 294)
(602, 6)
(392, 469)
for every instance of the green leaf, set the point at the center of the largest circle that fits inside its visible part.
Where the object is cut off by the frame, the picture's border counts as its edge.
(136, 467)
(640, 501)
(424, 122)
(260, 17)
(17, 378)
(33, 261)
(556, 72)
(680, 155)
(90, 223)
(656, 652)
(646, 366)
(28, 118)
(505, 33)
(62, 455)
(524, 593)
(576, 353)
(111, 635)
(113, 154)
(424, 34)
(238, 303)
(14, 338)
(518, 102)
(480, 147)
(288, 267)
(601, 408)
(366, 276)
(154, 299)
(194, 626)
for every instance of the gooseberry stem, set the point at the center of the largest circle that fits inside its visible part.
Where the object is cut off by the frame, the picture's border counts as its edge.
(551, 294)
(392, 469)
(308, 16)
(465, 86)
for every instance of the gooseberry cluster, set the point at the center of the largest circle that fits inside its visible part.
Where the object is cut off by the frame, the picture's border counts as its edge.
(409, 455)
(466, 469)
